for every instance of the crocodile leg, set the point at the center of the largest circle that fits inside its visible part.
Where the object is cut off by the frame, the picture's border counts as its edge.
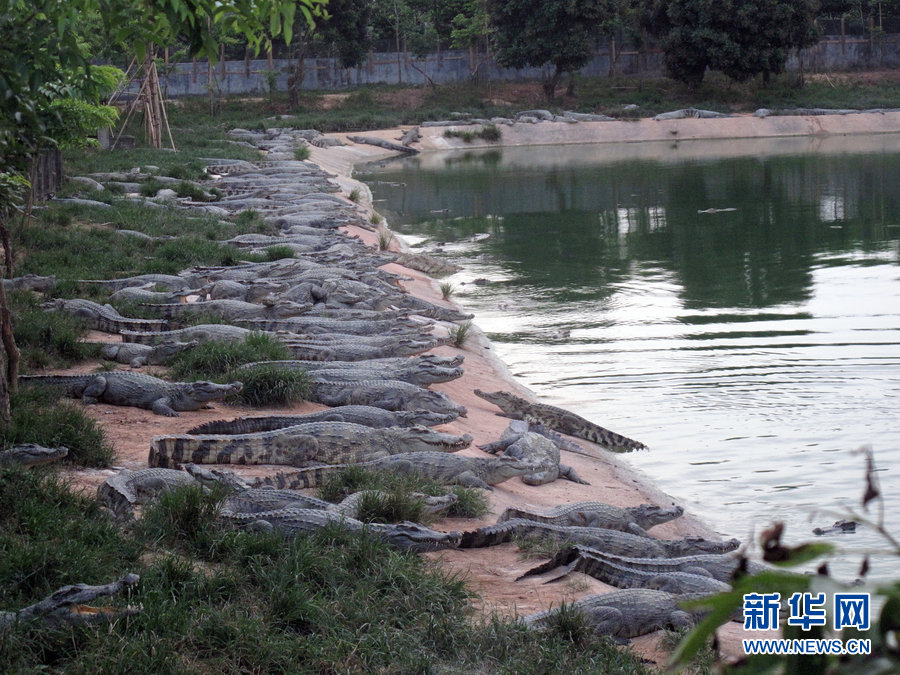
(567, 472)
(94, 390)
(163, 406)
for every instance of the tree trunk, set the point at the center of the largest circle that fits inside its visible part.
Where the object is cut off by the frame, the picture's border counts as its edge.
(550, 84)
(11, 373)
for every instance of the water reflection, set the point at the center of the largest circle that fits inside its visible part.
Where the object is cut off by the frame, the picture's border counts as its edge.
(740, 315)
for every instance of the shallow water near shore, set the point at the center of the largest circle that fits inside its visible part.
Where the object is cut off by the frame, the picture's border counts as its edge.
(738, 314)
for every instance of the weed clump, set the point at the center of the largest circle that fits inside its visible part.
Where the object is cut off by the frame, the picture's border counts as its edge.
(279, 252)
(268, 385)
(459, 334)
(490, 133)
(301, 153)
(213, 360)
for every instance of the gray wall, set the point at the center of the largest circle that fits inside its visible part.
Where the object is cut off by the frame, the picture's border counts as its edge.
(250, 77)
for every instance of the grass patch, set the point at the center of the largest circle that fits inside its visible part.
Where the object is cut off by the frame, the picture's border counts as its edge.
(302, 153)
(279, 252)
(389, 507)
(226, 601)
(272, 386)
(150, 187)
(470, 502)
(251, 221)
(354, 195)
(190, 170)
(214, 360)
(47, 339)
(376, 218)
(535, 547)
(89, 247)
(447, 289)
(185, 518)
(39, 416)
(489, 133)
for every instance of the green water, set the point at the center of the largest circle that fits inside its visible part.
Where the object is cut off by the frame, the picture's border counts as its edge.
(753, 347)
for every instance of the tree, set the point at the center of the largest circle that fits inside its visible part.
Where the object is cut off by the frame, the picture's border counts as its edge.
(560, 33)
(44, 61)
(741, 38)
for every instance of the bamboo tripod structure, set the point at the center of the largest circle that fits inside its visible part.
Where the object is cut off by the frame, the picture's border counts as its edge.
(150, 99)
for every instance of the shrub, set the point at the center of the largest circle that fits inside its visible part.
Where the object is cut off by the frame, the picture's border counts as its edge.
(447, 289)
(354, 195)
(376, 218)
(302, 153)
(38, 416)
(384, 240)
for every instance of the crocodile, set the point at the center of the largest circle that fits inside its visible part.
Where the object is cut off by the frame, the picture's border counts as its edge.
(302, 445)
(103, 317)
(612, 541)
(138, 355)
(517, 441)
(170, 281)
(623, 571)
(355, 414)
(449, 469)
(621, 575)
(355, 351)
(313, 325)
(207, 332)
(420, 370)
(30, 282)
(230, 310)
(258, 500)
(429, 309)
(27, 455)
(422, 262)
(560, 420)
(387, 394)
(629, 613)
(293, 522)
(634, 519)
(122, 492)
(138, 390)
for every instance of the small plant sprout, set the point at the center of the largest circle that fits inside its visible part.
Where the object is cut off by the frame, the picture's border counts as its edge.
(447, 289)
(460, 333)
(354, 195)
(385, 238)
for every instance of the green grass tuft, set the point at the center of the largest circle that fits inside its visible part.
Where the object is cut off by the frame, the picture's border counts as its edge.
(271, 386)
(302, 153)
(185, 518)
(279, 252)
(354, 195)
(460, 333)
(447, 289)
(385, 238)
(471, 503)
(214, 360)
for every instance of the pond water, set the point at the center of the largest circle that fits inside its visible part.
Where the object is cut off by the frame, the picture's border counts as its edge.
(733, 305)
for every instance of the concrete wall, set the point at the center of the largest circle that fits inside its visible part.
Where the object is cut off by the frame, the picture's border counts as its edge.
(252, 76)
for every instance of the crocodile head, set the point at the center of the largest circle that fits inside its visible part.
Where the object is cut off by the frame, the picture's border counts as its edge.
(505, 467)
(203, 391)
(438, 402)
(502, 399)
(31, 454)
(423, 439)
(426, 418)
(695, 545)
(169, 349)
(648, 515)
(430, 372)
(414, 537)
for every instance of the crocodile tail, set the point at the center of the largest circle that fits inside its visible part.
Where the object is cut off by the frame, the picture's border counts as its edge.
(304, 478)
(562, 559)
(143, 337)
(244, 425)
(170, 451)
